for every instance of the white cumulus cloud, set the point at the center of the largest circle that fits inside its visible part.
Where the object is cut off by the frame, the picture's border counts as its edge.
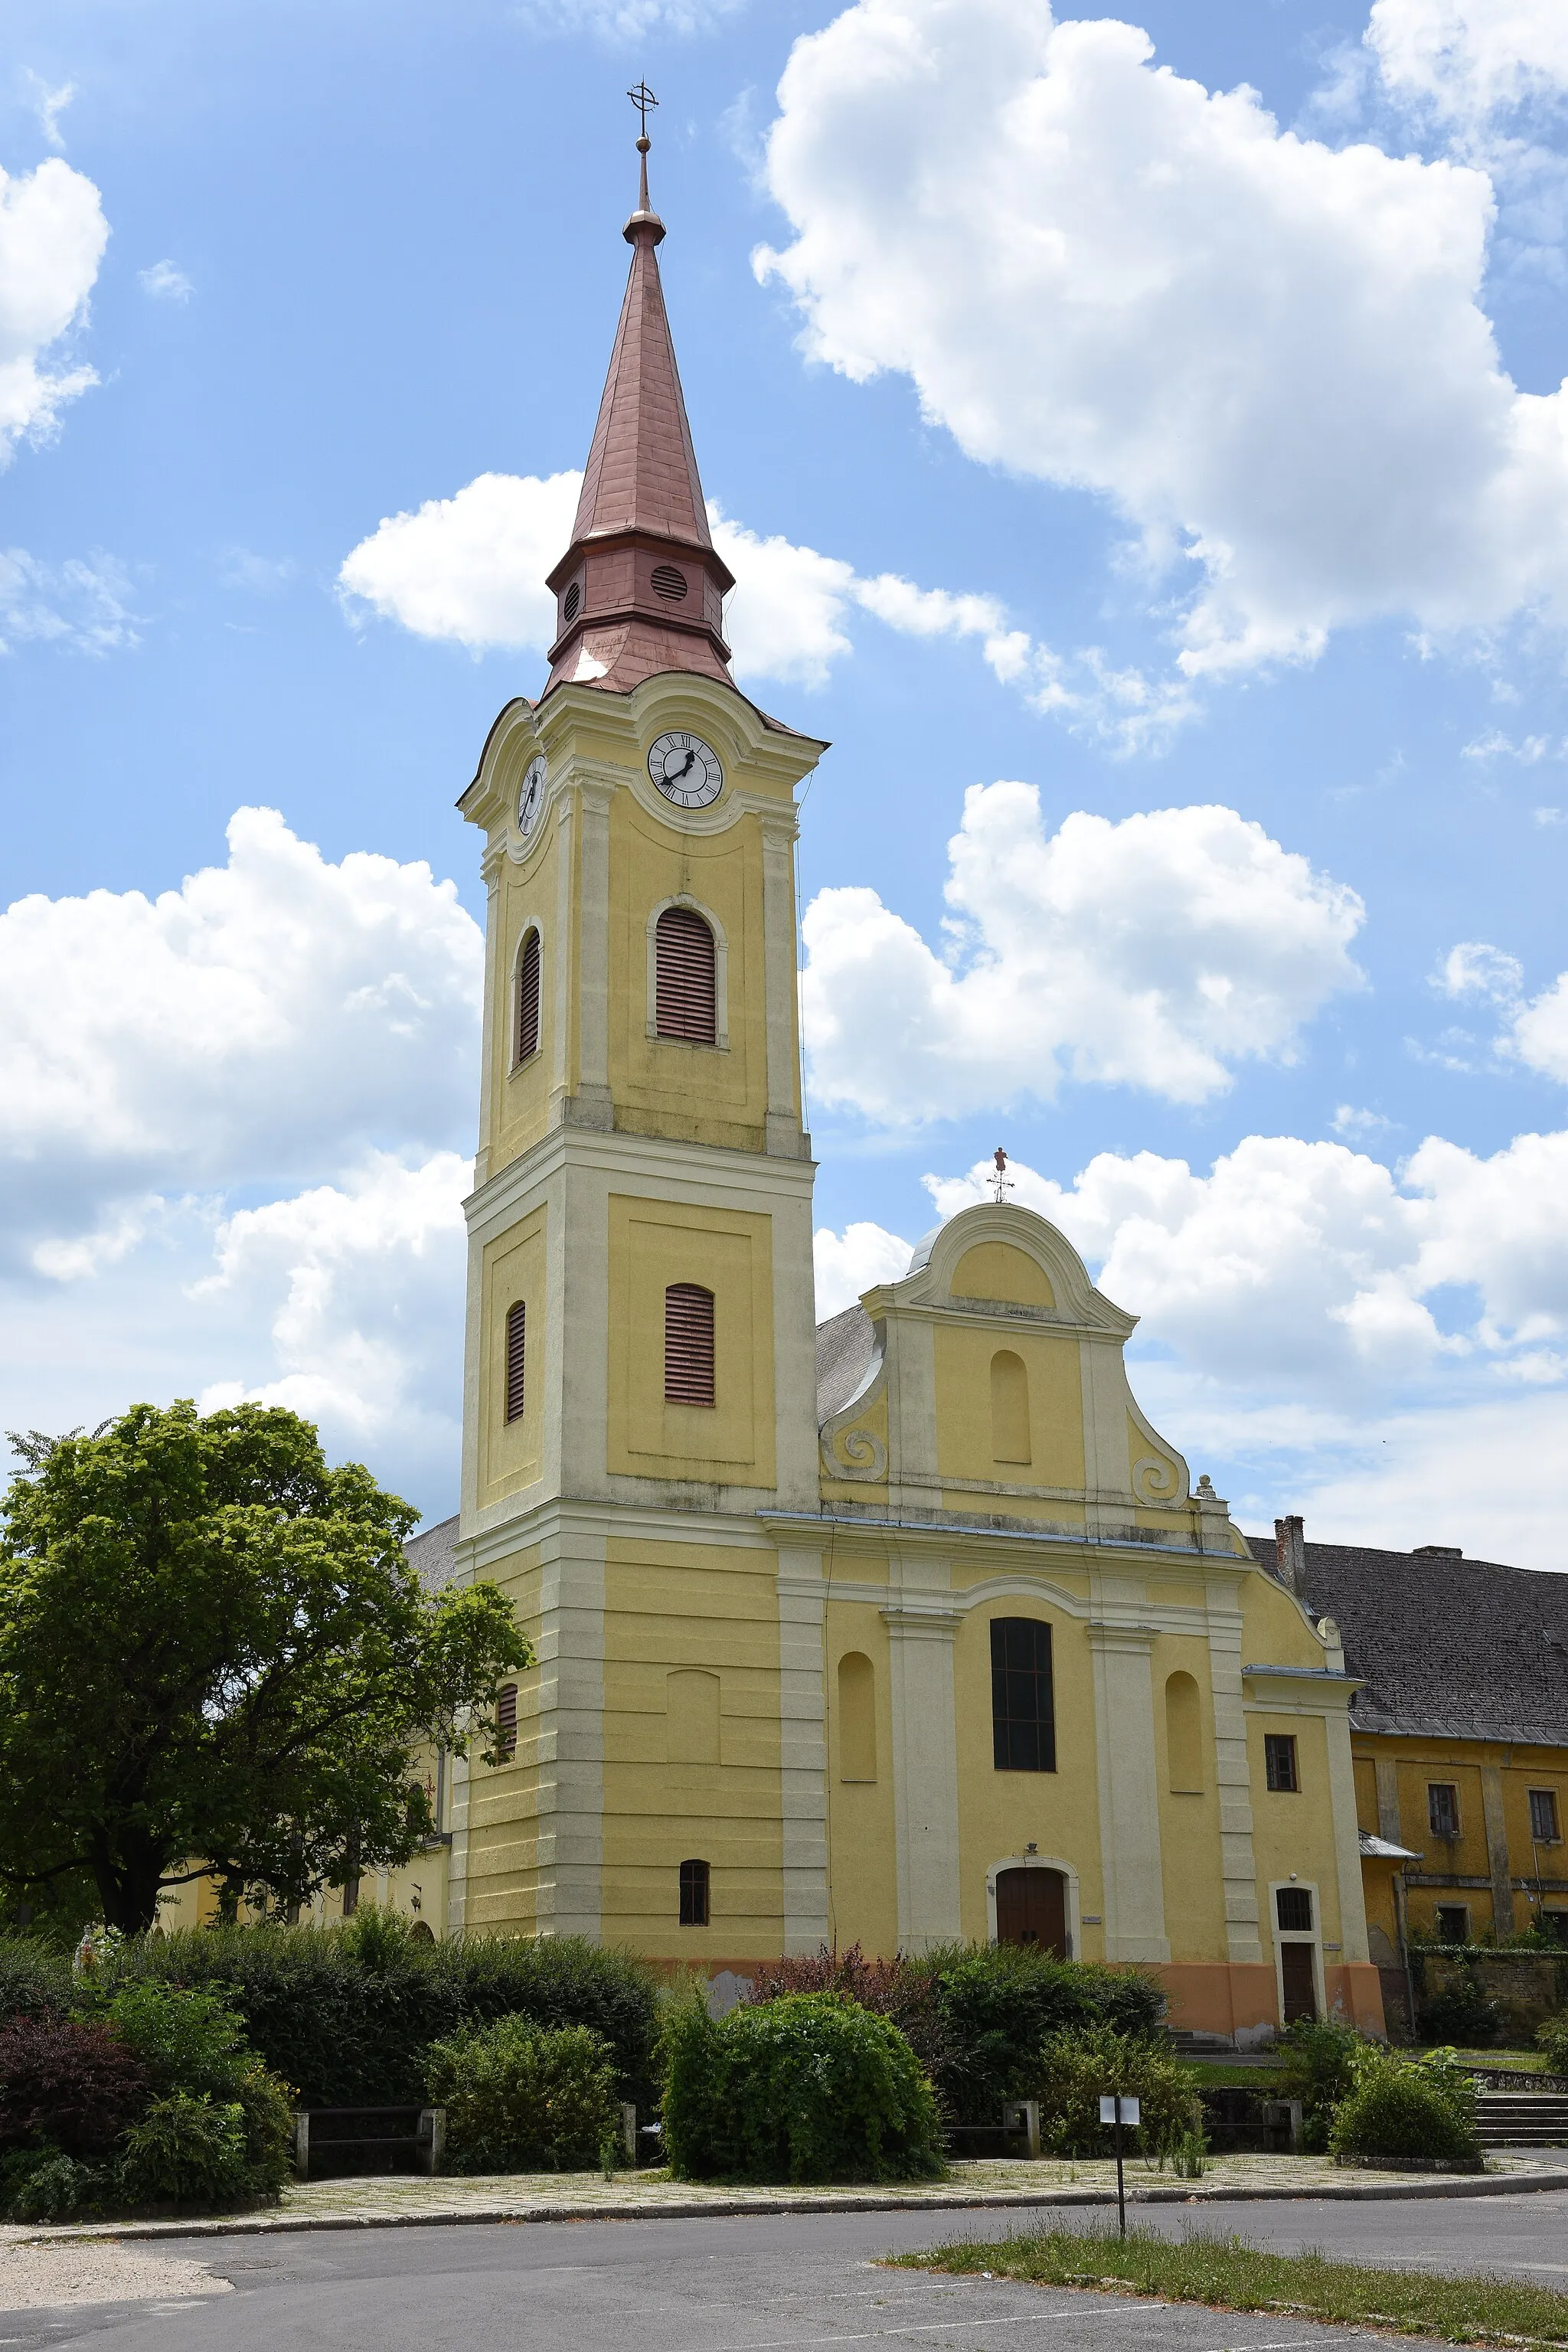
(1154, 953)
(1266, 354)
(164, 282)
(472, 569)
(854, 1260)
(52, 235)
(1469, 58)
(272, 1015)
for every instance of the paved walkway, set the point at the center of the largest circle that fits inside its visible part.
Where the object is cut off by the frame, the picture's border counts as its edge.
(391, 2203)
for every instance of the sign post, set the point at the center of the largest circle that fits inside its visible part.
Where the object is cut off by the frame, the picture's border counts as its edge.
(1114, 2108)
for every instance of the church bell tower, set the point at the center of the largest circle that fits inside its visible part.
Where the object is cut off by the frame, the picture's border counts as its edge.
(640, 1368)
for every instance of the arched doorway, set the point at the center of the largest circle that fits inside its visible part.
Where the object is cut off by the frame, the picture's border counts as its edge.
(1032, 1909)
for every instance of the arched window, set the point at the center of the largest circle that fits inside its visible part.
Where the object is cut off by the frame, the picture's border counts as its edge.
(525, 1025)
(856, 1717)
(1183, 1736)
(1023, 1712)
(686, 989)
(516, 1356)
(1009, 1408)
(694, 1893)
(688, 1344)
(506, 1721)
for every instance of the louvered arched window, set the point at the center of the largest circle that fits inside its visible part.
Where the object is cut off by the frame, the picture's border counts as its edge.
(688, 1344)
(516, 1359)
(525, 1023)
(686, 989)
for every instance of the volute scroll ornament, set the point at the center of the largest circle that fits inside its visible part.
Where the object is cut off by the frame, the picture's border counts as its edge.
(864, 1456)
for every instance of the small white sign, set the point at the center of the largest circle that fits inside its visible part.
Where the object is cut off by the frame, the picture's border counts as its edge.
(1108, 2105)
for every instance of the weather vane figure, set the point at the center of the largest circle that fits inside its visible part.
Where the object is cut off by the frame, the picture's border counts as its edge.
(1001, 1180)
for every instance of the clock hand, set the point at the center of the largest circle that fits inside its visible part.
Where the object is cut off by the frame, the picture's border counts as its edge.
(673, 775)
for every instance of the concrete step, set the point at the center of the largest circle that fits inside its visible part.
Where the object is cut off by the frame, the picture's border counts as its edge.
(1522, 2119)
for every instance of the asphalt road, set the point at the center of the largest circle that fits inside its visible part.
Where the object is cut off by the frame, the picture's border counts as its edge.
(790, 2284)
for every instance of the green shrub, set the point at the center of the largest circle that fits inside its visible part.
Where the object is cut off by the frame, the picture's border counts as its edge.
(188, 2041)
(807, 2087)
(1407, 2107)
(998, 2003)
(1321, 2059)
(1553, 2039)
(1075, 2070)
(521, 2097)
(42, 2185)
(1461, 2013)
(187, 2149)
(903, 1990)
(33, 1977)
(346, 2014)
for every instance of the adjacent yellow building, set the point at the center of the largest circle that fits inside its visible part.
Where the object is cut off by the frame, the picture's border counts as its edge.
(906, 1629)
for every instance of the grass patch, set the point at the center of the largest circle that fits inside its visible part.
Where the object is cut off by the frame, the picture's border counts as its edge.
(1214, 2074)
(1232, 2274)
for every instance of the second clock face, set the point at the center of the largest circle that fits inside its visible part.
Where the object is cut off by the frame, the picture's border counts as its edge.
(531, 799)
(686, 770)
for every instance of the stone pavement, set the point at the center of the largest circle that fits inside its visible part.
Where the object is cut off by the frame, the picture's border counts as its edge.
(404, 2200)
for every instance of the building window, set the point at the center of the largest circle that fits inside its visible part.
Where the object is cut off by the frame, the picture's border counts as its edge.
(694, 1894)
(1023, 1715)
(526, 1026)
(688, 1344)
(1293, 1909)
(1554, 1926)
(1443, 1808)
(1279, 1762)
(516, 1354)
(1453, 1923)
(506, 1723)
(1544, 1826)
(686, 990)
(1183, 1736)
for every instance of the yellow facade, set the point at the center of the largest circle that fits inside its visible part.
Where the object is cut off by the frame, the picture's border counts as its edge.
(1493, 1874)
(763, 1627)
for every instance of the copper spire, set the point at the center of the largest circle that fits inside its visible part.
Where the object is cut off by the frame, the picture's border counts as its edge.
(640, 589)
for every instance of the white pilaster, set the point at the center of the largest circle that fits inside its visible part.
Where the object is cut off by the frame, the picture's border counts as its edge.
(1129, 1792)
(779, 976)
(592, 1106)
(803, 1749)
(925, 1769)
(1232, 1777)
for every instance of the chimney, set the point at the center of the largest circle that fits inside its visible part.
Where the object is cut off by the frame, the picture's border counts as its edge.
(1290, 1554)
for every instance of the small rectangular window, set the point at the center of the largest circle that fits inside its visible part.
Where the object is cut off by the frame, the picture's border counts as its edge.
(694, 1886)
(1023, 1712)
(1293, 1909)
(1543, 1816)
(688, 1344)
(515, 1355)
(1554, 1924)
(1453, 1923)
(506, 1720)
(1280, 1761)
(1443, 1808)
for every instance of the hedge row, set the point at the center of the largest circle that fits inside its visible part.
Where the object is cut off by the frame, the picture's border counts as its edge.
(347, 2014)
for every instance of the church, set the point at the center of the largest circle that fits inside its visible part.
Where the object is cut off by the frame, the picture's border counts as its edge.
(907, 1628)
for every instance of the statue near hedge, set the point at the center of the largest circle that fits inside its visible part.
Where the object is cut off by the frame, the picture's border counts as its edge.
(215, 1658)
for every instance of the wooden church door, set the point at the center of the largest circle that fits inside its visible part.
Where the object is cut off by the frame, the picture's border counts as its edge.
(1031, 1908)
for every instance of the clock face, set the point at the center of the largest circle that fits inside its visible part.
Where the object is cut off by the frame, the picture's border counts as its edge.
(531, 799)
(686, 770)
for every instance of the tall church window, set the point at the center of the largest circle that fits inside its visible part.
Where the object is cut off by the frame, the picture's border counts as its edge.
(1009, 1408)
(856, 1717)
(1183, 1736)
(1023, 1711)
(688, 1344)
(526, 1027)
(516, 1358)
(686, 989)
(694, 1893)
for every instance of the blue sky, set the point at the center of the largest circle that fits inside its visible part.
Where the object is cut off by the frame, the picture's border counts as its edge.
(1188, 394)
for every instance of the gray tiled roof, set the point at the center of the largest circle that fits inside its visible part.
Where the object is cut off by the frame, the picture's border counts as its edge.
(432, 1554)
(843, 1349)
(1465, 1647)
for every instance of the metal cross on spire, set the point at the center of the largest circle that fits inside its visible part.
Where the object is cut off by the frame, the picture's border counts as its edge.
(1001, 1179)
(642, 97)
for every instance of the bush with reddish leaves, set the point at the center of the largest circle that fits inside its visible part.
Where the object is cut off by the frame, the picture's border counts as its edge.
(903, 1990)
(66, 2084)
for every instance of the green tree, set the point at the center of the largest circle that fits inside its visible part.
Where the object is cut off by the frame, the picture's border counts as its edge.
(214, 1656)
